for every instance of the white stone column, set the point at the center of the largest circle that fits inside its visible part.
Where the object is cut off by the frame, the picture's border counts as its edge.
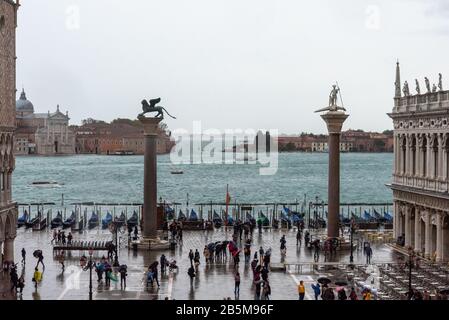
(440, 157)
(429, 172)
(395, 153)
(399, 159)
(8, 249)
(417, 229)
(428, 244)
(439, 246)
(418, 161)
(407, 226)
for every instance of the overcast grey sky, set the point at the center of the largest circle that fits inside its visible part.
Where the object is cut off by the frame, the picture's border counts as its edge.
(229, 63)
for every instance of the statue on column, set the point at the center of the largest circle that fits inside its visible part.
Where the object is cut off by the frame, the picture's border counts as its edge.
(427, 84)
(406, 89)
(418, 89)
(333, 100)
(150, 106)
(434, 88)
(440, 82)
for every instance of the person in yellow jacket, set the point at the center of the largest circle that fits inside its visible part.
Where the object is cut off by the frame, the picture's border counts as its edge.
(37, 276)
(367, 295)
(301, 290)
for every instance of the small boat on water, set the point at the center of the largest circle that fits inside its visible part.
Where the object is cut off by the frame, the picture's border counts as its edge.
(121, 220)
(106, 221)
(193, 216)
(123, 153)
(263, 219)
(93, 221)
(57, 221)
(70, 221)
(176, 172)
(47, 184)
(133, 220)
(216, 219)
(22, 220)
(32, 222)
(181, 215)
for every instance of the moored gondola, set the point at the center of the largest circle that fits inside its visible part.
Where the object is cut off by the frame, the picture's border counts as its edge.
(70, 221)
(106, 221)
(93, 221)
(56, 222)
(133, 220)
(121, 220)
(193, 216)
(23, 219)
(32, 222)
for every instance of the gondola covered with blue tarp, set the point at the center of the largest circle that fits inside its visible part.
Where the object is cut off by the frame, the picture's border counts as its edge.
(56, 222)
(216, 217)
(388, 216)
(169, 213)
(181, 215)
(93, 220)
(23, 219)
(133, 220)
(106, 220)
(70, 221)
(193, 216)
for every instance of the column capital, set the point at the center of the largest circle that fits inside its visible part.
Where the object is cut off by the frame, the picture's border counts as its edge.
(334, 121)
(150, 125)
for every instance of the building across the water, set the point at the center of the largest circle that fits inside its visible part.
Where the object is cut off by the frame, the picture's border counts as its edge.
(121, 137)
(8, 208)
(42, 133)
(421, 168)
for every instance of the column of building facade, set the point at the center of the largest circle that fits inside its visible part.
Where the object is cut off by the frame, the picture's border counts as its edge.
(418, 229)
(407, 230)
(429, 157)
(428, 239)
(439, 244)
(440, 157)
(395, 153)
(417, 157)
(399, 157)
(395, 219)
(444, 163)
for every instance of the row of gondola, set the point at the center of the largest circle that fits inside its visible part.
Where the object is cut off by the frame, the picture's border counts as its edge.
(72, 221)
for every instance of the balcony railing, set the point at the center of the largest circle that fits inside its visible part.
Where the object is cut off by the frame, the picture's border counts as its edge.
(423, 102)
(424, 183)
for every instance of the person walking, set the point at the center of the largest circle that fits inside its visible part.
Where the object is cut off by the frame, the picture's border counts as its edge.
(21, 284)
(40, 259)
(261, 254)
(191, 273)
(266, 292)
(37, 277)
(237, 284)
(69, 238)
(316, 290)
(164, 263)
(298, 237)
(301, 290)
(61, 260)
(196, 258)
(24, 253)
(353, 294)
(369, 253)
(342, 294)
(55, 237)
(191, 256)
(123, 270)
(155, 274)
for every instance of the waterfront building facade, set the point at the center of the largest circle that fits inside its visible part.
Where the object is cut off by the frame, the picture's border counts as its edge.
(42, 133)
(119, 137)
(8, 208)
(421, 169)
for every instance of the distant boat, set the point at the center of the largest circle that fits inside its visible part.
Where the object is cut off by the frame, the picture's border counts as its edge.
(123, 153)
(32, 222)
(181, 215)
(193, 216)
(22, 220)
(57, 221)
(176, 172)
(133, 220)
(120, 221)
(106, 221)
(93, 221)
(47, 184)
(70, 221)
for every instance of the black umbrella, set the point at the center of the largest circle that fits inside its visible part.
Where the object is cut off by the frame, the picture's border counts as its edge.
(324, 280)
(37, 253)
(444, 291)
(341, 283)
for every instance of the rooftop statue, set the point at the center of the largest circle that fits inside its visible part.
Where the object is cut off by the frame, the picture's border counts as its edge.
(150, 106)
(406, 89)
(418, 89)
(434, 88)
(440, 82)
(333, 100)
(427, 84)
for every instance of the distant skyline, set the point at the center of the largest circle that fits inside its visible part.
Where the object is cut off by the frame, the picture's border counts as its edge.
(229, 63)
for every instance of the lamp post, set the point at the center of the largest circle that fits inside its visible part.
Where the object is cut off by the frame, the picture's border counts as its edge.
(88, 266)
(351, 257)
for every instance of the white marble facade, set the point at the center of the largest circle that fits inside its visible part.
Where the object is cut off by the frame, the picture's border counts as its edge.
(421, 171)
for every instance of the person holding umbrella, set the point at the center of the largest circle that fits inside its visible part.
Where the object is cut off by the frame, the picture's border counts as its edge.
(316, 290)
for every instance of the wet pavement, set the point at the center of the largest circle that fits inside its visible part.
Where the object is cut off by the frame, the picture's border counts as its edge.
(213, 281)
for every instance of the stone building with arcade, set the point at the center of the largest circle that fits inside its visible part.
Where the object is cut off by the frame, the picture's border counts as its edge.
(421, 167)
(8, 208)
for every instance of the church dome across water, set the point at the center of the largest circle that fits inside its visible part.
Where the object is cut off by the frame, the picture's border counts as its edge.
(23, 105)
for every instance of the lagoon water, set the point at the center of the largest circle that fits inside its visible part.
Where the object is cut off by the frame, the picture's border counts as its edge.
(117, 179)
